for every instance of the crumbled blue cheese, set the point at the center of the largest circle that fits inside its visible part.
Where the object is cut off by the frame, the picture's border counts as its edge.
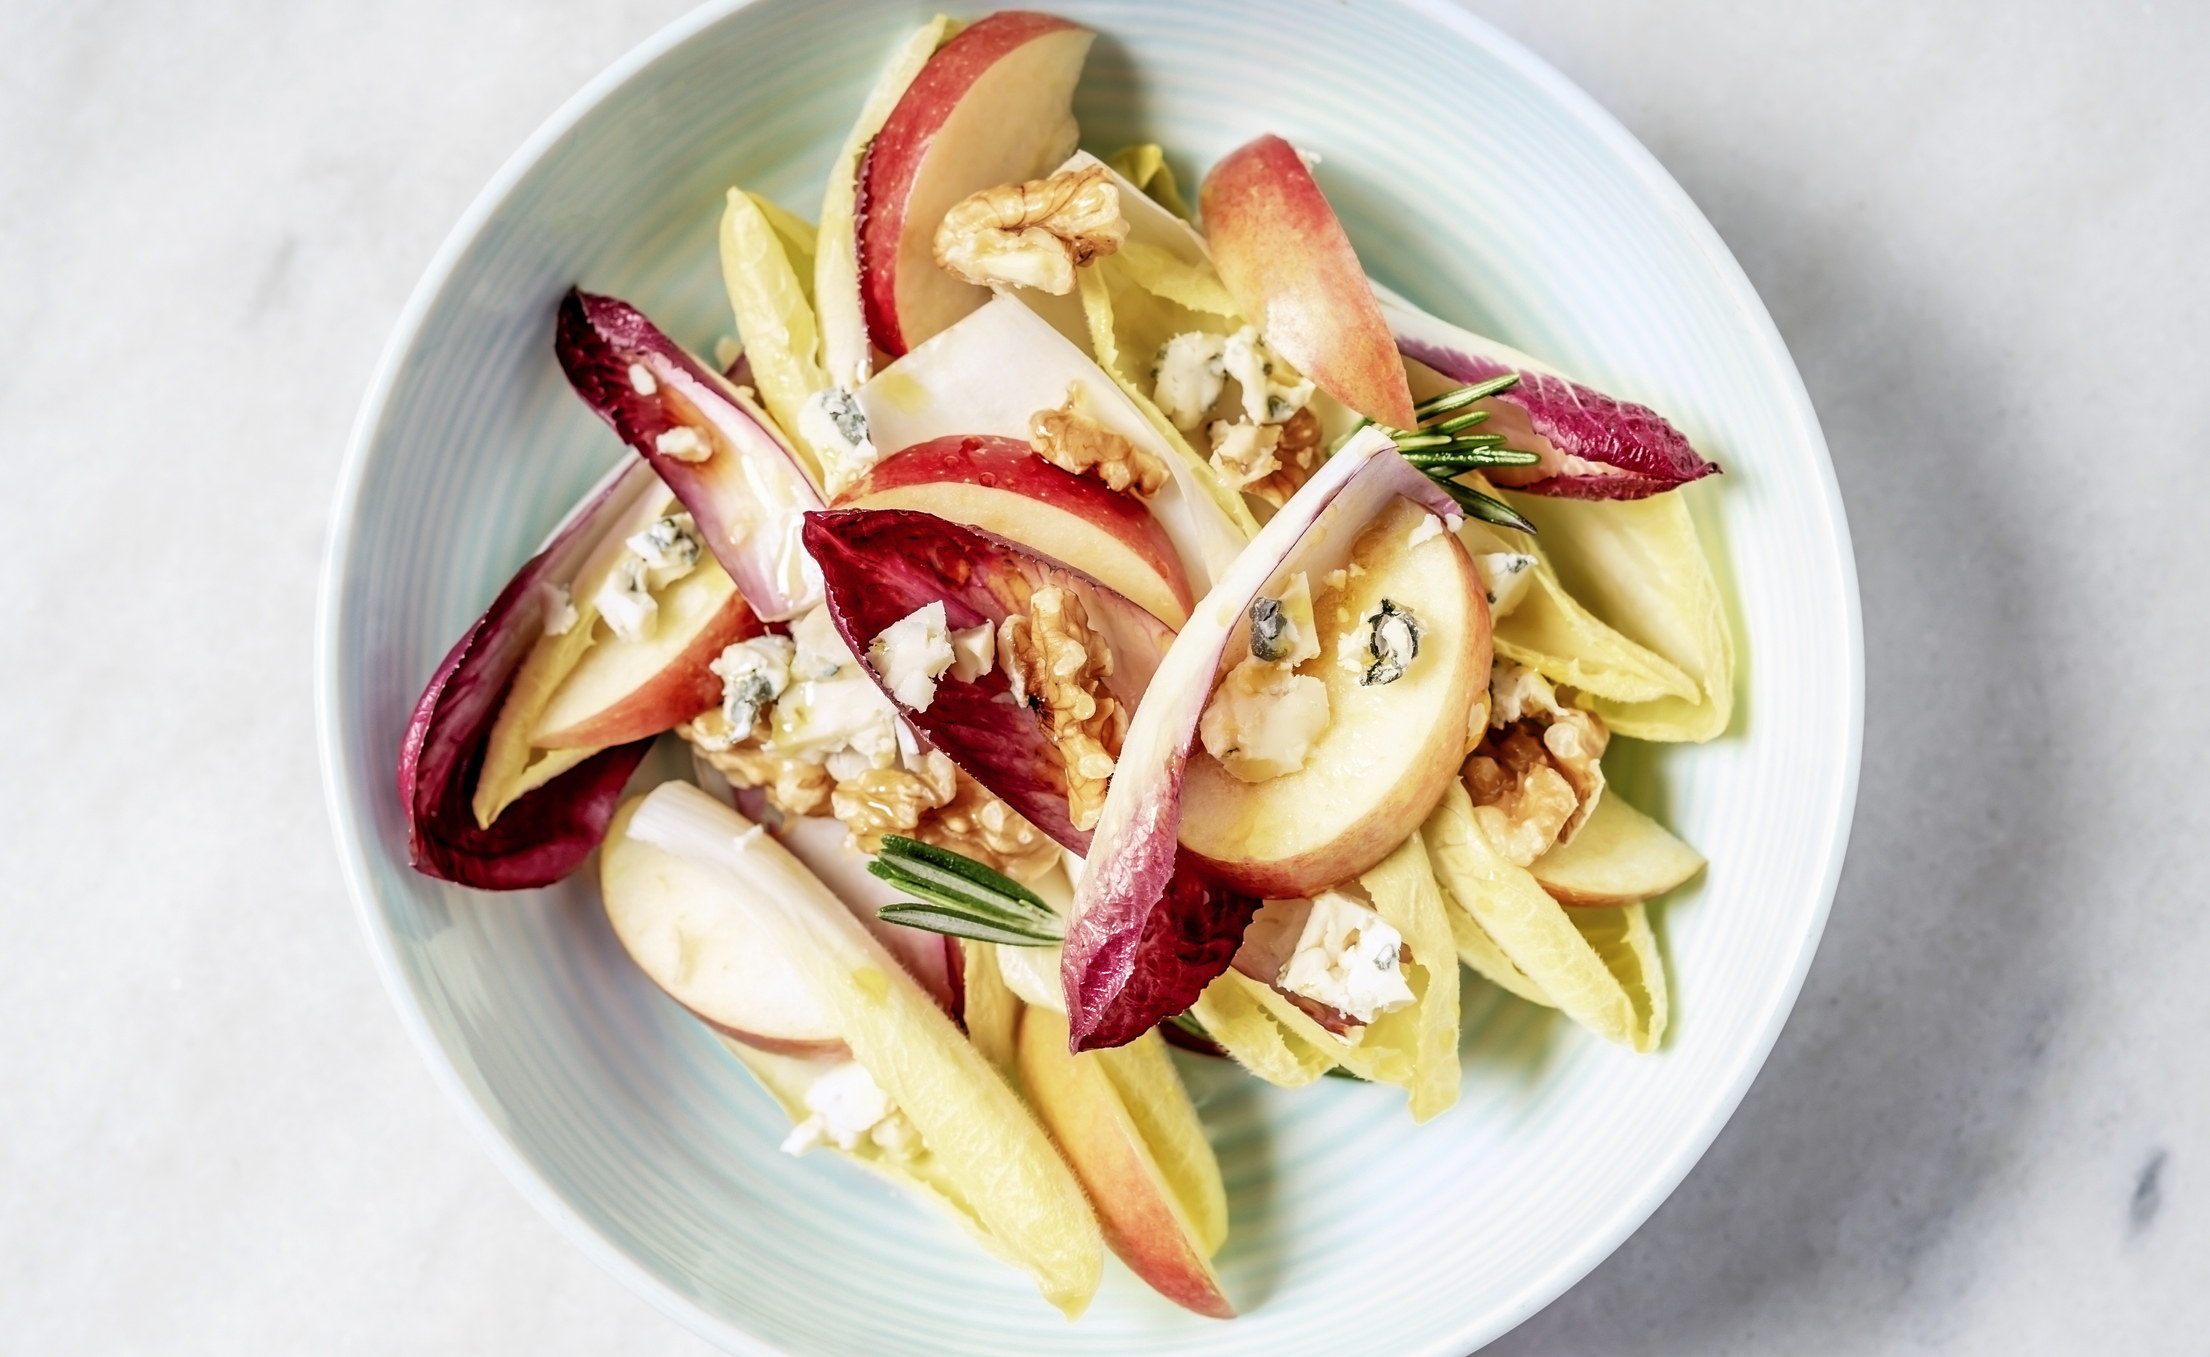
(1348, 958)
(974, 652)
(849, 1109)
(1245, 357)
(683, 444)
(1517, 692)
(1263, 720)
(1505, 576)
(670, 549)
(626, 600)
(1188, 377)
(833, 711)
(833, 424)
(640, 380)
(911, 654)
(1428, 527)
(557, 608)
(753, 674)
(1393, 642)
(1243, 452)
(1282, 628)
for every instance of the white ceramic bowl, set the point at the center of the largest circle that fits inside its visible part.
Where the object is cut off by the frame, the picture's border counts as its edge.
(1474, 179)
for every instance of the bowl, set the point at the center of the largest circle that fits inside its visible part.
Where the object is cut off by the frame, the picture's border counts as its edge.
(1472, 178)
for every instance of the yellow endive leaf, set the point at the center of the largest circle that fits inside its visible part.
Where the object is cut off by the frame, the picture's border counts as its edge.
(1234, 1015)
(1621, 936)
(1637, 565)
(1484, 958)
(773, 310)
(1531, 929)
(987, 1006)
(1144, 165)
(1407, 897)
(1109, 297)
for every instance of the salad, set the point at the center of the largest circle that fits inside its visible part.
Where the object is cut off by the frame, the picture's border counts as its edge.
(1098, 623)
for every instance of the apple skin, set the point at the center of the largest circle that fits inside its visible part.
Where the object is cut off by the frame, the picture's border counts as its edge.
(1001, 486)
(1144, 1223)
(1286, 261)
(1388, 751)
(1620, 857)
(992, 106)
(628, 690)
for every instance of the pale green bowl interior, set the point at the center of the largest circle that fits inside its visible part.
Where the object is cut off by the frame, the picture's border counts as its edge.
(1473, 179)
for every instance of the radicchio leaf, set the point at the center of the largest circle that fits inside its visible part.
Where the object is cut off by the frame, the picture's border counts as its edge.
(1141, 943)
(879, 565)
(1593, 446)
(548, 832)
(719, 453)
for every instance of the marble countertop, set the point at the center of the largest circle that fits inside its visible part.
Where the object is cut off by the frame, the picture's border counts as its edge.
(1980, 228)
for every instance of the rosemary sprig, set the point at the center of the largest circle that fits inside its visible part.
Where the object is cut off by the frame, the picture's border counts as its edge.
(1442, 448)
(960, 897)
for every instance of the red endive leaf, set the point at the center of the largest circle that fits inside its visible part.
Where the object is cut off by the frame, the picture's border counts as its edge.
(549, 831)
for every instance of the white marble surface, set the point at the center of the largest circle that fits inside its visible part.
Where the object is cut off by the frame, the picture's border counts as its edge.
(1980, 227)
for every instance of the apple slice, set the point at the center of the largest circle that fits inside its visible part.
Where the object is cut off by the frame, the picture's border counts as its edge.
(1592, 446)
(1001, 486)
(548, 832)
(717, 962)
(992, 106)
(977, 1133)
(991, 372)
(719, 453)
(625, 690)
(1147, 933)
(1619, 857)
(1146, 1219)
(878, 566)
(1284, 256)
(1388, 750)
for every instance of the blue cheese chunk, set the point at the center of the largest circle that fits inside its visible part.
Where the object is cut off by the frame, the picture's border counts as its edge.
(849, 1110)
(1348, 958)
(753, 674)
(1264, 720)
(911, 654)
(670, 549)
(1188, 377)
(833, 424)
(1505, 576)
(626, 600)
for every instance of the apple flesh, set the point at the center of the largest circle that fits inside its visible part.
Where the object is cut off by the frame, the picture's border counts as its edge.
(995, 369)
(713, 960)
(932, 959)
(626, 690)
(1001, 486)
(1291, 268)
(1388, 750)
(1621, 856)
(992, 106)
(1147, 1222)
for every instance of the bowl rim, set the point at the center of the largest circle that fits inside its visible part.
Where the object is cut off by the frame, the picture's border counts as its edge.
(340, 774)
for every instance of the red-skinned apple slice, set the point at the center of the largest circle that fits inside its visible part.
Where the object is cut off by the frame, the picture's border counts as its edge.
(1145, 1222)
(1593, 446)
(992, 106)
(547, 833)
(880, 565)
(1135, 929)
(1001, 486)
(994, 370)
(630, 690)
(714, 448)
(715, 962)
(1290, 267)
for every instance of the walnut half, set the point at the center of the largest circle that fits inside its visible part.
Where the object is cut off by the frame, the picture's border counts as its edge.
(1071, 440)
(1057, 663)
(1034, 234)
(1537, 774)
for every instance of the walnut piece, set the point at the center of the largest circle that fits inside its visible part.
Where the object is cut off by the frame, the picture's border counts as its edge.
(1034, 234)
(1296, 455)
(795, 785)
(1537, 775)
(1055, 661)
(1071, 440)
(984, 828)
(892, 800)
